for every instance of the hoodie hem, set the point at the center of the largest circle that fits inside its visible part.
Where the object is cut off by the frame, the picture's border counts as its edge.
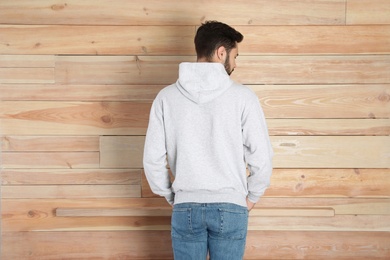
(210, 197)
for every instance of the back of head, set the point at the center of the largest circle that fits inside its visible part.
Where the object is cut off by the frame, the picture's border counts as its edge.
(211, 35)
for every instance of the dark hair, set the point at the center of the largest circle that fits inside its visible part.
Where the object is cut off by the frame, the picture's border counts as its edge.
(211, 35)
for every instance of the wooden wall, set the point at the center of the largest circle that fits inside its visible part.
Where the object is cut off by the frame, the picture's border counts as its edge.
(77, 79)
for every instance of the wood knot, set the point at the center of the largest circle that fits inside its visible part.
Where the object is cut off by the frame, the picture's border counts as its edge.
(106, 119)
(33, 214)
(384, 97)
(58, 7)
(288, 144)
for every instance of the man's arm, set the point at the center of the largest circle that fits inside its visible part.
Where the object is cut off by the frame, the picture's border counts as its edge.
(154, 160)
(258, 150)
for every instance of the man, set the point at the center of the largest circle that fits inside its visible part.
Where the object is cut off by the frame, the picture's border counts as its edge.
(210, 129)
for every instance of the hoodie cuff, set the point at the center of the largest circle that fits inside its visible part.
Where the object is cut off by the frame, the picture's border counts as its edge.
(170, 198)
(252, 198)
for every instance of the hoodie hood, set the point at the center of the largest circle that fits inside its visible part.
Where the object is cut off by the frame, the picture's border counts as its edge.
(202, 82)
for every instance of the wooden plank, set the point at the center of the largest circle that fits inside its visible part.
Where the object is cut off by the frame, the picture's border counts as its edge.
(97, 40)
(49, 143)
(314, 40)
(87, 245)
(317, 245)
(70, 176)
(350, 183)
(152, 12)
(131, 219)
(341, 206)
(178, 40)
(324, 101)
(51, 160)
(74, 118)
(314, 223)
(320, 183)
(276, 127)
(26, 75)
(371, 95)
(157, 245)
(331, 152)
(290, 151)
(330, 127)
(367, 12)
(27, 61)
(70, 191)
(52, 92)
(40, 214)
(121, 151)
(278, 101)
(16, 208)
(118, 70)
(367, 69)
(313, 69)
(112, 212)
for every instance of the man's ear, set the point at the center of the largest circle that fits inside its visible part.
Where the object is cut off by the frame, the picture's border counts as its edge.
(221, 53)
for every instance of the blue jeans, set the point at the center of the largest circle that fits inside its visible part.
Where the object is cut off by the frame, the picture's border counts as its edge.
(216, 228)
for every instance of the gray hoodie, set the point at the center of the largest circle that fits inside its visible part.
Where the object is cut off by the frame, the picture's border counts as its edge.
(210, 129)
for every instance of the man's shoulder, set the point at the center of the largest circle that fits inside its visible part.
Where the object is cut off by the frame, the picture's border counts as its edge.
(167, 91)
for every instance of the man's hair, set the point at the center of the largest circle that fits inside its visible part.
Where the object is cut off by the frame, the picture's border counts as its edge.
(211, 35)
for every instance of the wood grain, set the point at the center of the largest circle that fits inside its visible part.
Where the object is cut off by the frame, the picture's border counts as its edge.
(27, 61)
(157, 244)
(341, 205)
(367, 12)
(320, 183)
(97, 40)
(325, 101)
(276, 127)
(138, 12)
(278, 101)
(52, 92)
(17, 209)
(26, 75)
(317, 245)
(133, 219)
(118, 70)
(366, 69)
(299, 40)
(313, 69)
(50, 160)
(331, 152)
(49, 143)
(71, 191)
(178, 40)
(74, 118)
(290, 151)
(70, 176)
(131, 212)
(329, 127)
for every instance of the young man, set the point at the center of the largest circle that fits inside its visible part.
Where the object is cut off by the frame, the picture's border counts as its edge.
(210, 129)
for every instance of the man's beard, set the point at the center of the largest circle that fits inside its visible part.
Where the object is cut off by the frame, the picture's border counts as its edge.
(228, 68)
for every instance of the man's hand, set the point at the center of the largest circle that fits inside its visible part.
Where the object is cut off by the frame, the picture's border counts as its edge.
(249, 204)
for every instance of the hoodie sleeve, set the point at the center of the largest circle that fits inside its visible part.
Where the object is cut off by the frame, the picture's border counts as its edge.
(154, 160)
(257, 149)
